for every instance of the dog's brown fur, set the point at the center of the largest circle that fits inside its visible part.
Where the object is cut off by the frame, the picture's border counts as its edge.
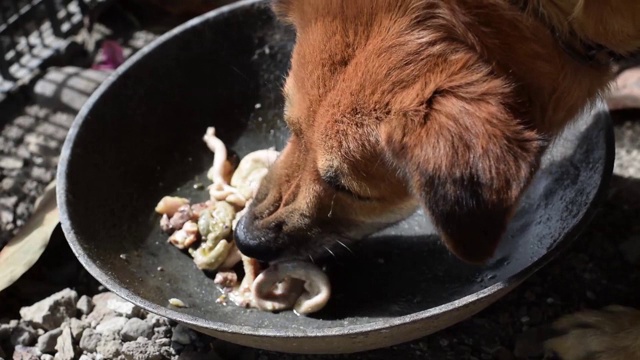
(444, 103)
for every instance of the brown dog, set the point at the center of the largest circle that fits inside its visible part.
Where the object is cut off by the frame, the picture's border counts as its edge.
(446, 104)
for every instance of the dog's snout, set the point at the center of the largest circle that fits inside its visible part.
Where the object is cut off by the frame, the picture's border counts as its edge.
(258, 244)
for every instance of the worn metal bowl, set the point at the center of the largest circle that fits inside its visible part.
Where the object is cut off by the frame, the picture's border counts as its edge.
(139, 137)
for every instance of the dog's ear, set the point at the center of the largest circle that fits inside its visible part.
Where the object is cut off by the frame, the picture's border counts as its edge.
(282, 8)
(469, 159)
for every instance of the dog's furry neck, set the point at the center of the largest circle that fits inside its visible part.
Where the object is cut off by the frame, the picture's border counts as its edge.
(596, 31)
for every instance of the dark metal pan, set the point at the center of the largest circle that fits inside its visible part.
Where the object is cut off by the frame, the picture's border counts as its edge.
(139, 137)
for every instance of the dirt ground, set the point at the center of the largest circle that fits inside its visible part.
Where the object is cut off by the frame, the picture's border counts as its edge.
(600, 268)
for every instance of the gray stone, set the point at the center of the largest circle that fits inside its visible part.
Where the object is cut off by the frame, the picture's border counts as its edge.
(64, 347)
(142, 349)
(9, 201)
(157, 320)
(35, 142)
(47, 342)
(23, 152)
(24, 121)
(51, 312)
(101, 300)
(7, 184)
(123, 307)
(100, 310)
(23, 335)
(111, 326)
(41, 174)
(100, 315)
(163, 342)
(62, 119)
(135, 328)
(52, 130)
(109, 347)
(183, 335)
(46, 357)
(86, 357)
(6, 217)
(10, 163)
(161, 332)
(77, 327)
(23, 209)
(84, 305)
(30, 186)
(26, 353)
(13, 132)
(168, 353)
(89, 340)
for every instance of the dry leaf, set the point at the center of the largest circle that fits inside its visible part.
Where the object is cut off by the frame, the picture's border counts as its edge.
(22, 252)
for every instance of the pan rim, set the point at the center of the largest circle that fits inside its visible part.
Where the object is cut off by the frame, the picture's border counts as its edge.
(599, 110)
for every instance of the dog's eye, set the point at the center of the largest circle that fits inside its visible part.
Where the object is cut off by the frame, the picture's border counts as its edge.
(336, 183)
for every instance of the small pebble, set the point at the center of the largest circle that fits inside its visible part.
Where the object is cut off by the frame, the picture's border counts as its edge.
(64, 347)
(163, 342)
(111, 326)
(51, 312)
(49, 357)
(124, 307)
(23, 335)
(160, 268)
(84, 305)
(89, 341)
(47, 342)
(156, 320)
(26, 353)
(109, 347)
(123, 256)
(141, 349)
(182, 335)
(136, 328)
(77, 327)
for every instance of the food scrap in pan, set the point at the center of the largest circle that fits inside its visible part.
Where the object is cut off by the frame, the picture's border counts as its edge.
(205, 230)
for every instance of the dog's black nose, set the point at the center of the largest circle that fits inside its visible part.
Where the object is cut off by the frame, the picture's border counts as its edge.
(258, 244)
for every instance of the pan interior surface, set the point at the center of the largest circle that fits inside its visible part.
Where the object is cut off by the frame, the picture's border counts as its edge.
(140, 138)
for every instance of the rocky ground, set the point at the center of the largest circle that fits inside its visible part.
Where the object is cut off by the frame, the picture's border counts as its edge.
(58, 311)
(67, 326)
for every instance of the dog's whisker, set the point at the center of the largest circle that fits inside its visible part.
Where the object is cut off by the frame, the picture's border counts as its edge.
(345, 246)
(311, 258)
(330, 252)
(331, 208)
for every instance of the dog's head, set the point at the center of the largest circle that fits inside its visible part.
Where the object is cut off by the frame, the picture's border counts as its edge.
(389, 108)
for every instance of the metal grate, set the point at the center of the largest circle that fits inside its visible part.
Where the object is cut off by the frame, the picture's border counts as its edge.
(31, 31)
